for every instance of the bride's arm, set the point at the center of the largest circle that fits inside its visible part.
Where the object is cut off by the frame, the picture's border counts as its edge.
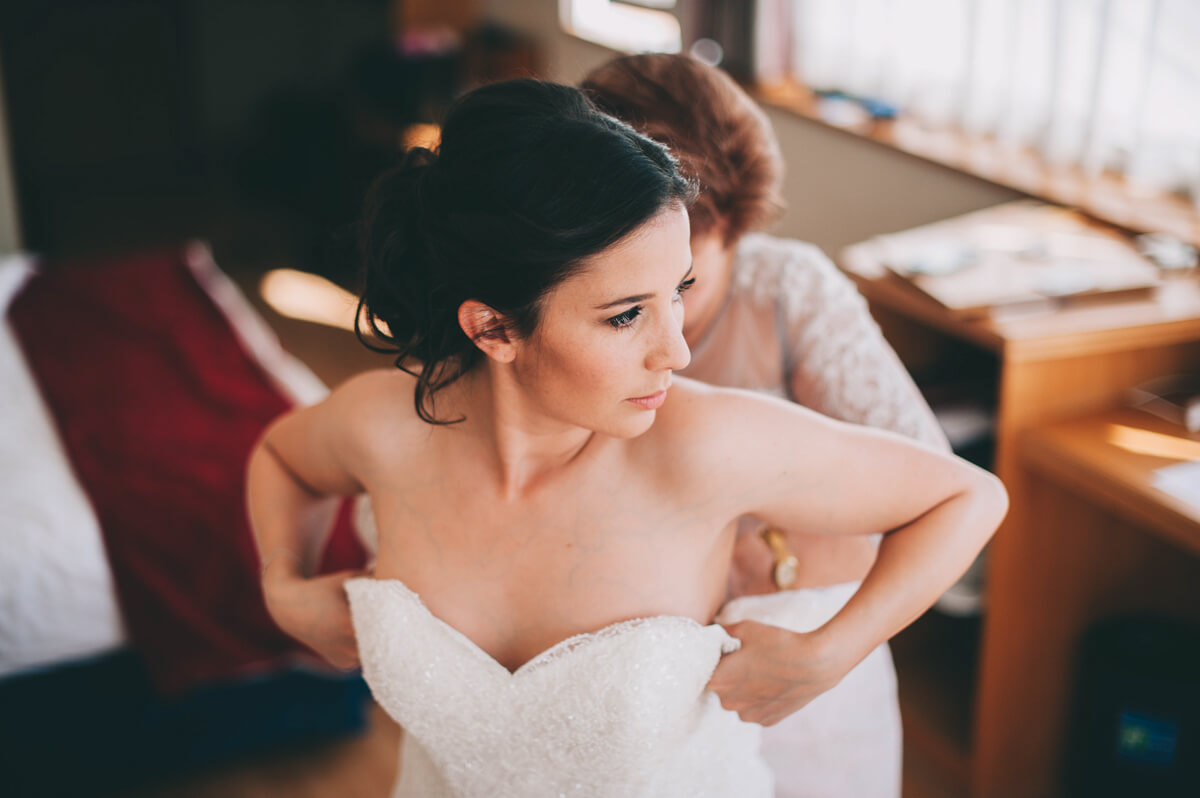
(799, 470)
(300, 467)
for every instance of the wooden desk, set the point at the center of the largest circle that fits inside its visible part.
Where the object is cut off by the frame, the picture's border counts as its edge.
(1109, 460)
(1044, 367)
(1099, 541)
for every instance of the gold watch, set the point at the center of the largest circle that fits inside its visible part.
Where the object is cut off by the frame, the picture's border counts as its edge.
(783, 573)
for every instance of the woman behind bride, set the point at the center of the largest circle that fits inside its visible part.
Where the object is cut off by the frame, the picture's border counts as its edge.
(556, 513)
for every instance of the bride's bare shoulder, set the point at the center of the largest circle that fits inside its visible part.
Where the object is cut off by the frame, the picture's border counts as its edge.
(703, 424)
(378, 403)
(376, 389)
(692, 404)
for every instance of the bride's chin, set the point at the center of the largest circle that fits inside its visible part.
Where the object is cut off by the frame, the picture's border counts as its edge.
(629, 428)
(627, 423)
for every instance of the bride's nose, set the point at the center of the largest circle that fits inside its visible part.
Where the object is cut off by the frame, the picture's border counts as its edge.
(669, 351)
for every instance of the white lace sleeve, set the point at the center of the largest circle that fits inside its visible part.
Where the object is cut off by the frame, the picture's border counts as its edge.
(837, 361)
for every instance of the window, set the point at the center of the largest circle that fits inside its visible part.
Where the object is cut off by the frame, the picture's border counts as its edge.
(633, 26)
(1105, 87)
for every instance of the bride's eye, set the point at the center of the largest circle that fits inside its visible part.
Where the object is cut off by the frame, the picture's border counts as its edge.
(626, 318)
(684, 286)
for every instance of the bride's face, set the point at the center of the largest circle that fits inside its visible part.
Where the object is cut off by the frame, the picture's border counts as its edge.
(609, 337)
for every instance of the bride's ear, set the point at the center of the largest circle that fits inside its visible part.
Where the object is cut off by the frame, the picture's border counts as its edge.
(488, 330)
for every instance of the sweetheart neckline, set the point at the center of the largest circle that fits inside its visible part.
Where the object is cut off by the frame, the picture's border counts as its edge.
(571, 642)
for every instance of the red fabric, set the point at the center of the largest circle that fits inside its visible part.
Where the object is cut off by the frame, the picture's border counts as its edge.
(158, 407)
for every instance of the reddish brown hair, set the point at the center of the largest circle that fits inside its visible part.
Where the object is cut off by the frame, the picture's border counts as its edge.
(720, 136)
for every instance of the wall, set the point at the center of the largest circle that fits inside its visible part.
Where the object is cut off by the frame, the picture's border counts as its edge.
(840, 188)
(246, 50)
(133, 123)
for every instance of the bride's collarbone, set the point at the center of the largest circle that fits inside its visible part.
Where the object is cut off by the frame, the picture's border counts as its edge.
(445, 519)
(604, 493)
(564, 543)
(571, 527)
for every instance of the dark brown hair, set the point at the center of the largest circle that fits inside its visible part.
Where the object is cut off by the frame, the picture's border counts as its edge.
(530, 180)
(720, 136)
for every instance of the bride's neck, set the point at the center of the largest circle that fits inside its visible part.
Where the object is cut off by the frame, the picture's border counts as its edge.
(525, 446)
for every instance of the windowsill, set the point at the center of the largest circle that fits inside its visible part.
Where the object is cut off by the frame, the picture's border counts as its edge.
(1108, 198)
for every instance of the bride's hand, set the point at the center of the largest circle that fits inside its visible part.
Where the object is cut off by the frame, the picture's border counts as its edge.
(314, 611)
(775, 672)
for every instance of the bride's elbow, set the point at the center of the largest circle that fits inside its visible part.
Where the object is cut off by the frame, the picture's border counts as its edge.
(990, 498)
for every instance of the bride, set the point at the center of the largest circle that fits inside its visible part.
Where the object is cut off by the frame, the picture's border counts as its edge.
(556, 512)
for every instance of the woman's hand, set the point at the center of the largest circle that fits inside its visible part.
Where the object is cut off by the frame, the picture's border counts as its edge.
(775, 672)
(314, 611)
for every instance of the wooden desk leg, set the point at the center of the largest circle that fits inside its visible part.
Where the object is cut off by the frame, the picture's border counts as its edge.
(1057, 567)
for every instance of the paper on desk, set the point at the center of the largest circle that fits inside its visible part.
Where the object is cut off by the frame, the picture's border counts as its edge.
(1181, 480)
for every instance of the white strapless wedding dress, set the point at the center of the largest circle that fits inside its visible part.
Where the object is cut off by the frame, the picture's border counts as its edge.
(621, 712)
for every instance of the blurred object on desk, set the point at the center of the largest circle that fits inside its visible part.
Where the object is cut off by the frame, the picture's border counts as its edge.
(1181, 480)
(1175, 398)
(1016, 254)
(1169, 253)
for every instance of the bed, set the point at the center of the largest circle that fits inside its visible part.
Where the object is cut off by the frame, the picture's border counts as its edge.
(134, 644)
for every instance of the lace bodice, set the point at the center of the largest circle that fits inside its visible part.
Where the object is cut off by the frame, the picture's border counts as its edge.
(794, 326)
(618, 712)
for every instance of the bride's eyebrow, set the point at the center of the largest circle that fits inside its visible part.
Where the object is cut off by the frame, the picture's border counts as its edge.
(631, 300)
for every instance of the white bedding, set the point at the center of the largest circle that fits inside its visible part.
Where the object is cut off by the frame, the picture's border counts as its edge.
(56, 591)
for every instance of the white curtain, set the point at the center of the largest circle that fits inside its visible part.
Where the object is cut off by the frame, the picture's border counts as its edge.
(1103, 84)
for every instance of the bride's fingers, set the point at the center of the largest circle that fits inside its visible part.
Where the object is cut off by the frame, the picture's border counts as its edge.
(769, 716)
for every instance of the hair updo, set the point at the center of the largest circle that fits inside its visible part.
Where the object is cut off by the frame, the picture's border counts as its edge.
(529, 180)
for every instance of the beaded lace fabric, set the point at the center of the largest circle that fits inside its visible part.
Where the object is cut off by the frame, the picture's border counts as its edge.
(621, 712)
(794, 326)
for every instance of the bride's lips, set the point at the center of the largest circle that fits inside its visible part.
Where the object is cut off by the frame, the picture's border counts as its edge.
(650, 402)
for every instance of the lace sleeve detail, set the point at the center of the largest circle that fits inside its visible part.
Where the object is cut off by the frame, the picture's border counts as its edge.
(837, 361)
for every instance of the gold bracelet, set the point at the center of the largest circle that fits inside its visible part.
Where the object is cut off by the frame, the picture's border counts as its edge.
(783, 572)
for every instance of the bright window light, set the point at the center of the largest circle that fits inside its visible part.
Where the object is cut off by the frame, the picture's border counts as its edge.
(304, 296)
(1107, 85)
(623, 25)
